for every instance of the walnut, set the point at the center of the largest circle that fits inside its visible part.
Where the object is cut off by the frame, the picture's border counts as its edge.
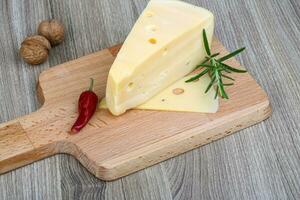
(53, 30)
(35, 49)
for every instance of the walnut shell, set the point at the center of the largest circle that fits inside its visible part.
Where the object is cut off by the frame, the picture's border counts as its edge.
(53, 30)
(35, 49)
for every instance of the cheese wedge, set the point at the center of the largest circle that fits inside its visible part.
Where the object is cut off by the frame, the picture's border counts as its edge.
(181, 96)
(164, 45)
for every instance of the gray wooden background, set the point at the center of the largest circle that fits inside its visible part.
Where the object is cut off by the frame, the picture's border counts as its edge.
(261, 162)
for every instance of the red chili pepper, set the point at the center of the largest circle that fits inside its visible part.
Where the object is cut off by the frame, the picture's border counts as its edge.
(87, 105)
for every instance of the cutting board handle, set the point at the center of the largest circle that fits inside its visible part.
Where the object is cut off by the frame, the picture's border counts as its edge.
(36, 136)
(17, 150)
(14, 145)
(18, 147)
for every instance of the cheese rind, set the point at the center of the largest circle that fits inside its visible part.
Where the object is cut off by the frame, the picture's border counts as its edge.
(164, 45)
(183, 97)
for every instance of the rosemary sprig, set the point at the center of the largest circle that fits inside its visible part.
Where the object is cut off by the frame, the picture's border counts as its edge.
(214, 67)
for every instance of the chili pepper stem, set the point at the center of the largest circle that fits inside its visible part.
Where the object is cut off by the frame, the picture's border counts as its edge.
(91, 85)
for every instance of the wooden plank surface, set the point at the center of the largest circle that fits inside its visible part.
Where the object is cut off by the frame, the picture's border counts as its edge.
(261, 162)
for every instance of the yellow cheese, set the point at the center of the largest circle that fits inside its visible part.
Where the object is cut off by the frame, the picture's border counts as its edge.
(181, 96)
(164, 45)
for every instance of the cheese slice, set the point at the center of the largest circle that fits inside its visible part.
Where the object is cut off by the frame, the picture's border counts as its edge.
(164, 45)
(181, 96)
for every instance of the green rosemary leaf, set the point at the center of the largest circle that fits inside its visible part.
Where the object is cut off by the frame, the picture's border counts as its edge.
(197, 67)
(226, 70)
(222, 90)
(210, 84)
(213, 62)
(214, 55)
(214, 68)
(198, 75)
(205, 61)
(217, 92)
(228, 77)
(228, 84)
(233, 69)
(206, 45)
(230, 55)
(207, 66)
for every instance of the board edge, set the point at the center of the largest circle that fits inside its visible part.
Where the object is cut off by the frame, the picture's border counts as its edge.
(121, 166)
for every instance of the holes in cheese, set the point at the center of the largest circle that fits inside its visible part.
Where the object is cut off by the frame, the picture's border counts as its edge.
(151, 53)
(151, 28)
(178, 91)
(149, 14)
(184, 97)
(181, 96)
(130, 86)
(152, 41)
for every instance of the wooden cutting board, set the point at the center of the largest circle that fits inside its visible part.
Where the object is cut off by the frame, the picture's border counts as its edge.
(111, 147)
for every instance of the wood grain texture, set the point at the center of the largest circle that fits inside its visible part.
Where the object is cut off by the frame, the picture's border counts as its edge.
(112, 147)
(261, 162)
